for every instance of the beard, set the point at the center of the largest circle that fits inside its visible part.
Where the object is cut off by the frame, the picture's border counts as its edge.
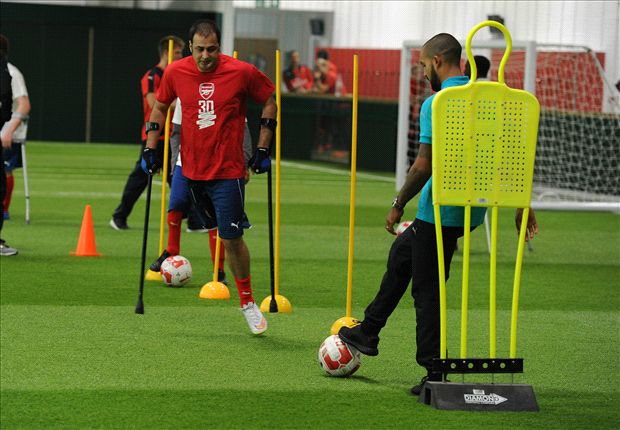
(434, 80)
(206, 65)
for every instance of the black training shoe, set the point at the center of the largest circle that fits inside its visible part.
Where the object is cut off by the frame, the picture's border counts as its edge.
(356, 337)
(119, 224)
(156, 265)
(221, 277)
(432, 376)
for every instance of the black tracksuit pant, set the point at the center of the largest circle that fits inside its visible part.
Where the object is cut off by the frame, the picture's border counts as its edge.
(413, 255)
(136, 184)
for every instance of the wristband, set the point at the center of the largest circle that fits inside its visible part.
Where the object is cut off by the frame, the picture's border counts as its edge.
(151, 126)
(268, 123)
(397, 205)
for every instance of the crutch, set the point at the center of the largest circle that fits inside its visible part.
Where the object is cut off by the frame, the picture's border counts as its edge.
(26, 189)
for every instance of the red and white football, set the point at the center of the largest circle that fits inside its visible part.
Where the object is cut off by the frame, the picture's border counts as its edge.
(176, 271)
(402, 227)
(337, 358)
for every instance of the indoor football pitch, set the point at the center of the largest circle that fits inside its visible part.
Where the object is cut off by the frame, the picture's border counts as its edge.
(75, 355)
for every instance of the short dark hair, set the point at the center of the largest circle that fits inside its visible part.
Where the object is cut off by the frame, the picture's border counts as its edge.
(204, 27)
(322, 53)
(482, 66)
(163, 43)
(447, 46)
(4, 45)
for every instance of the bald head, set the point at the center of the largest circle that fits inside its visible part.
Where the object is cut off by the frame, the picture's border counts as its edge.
(447, 46)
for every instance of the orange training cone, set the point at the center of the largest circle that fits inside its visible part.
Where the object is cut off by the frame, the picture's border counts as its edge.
(86, 246)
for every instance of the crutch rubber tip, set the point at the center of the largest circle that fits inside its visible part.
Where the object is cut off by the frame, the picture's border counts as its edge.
(140, 307)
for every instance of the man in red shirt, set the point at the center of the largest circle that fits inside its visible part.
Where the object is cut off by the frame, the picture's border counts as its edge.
(214, 89)
(137, 180)
(297, 77)
(327, 80)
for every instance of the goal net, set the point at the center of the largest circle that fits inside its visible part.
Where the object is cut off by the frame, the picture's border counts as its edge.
(578, 149)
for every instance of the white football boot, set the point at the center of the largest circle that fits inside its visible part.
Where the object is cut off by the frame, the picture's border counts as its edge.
(255, 318)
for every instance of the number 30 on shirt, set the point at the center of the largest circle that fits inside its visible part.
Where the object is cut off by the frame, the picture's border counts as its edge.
(206, 114)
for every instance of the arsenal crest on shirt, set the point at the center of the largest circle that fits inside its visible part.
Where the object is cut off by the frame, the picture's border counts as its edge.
(206, 90)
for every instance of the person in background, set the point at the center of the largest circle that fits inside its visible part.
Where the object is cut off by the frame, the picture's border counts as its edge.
(324, 80)
(327, 80)
(324, 55)
(10, 118)
(413, 255)
(482, 68)
(297, 77)
(138, 180)
(14, 131)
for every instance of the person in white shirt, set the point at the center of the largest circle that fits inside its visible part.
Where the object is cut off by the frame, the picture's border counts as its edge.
(13, 133)
(15, 107)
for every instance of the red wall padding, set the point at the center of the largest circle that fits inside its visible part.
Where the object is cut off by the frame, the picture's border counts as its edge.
(565, 80)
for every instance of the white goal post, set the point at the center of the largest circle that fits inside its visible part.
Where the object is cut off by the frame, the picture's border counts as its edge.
(578, 153)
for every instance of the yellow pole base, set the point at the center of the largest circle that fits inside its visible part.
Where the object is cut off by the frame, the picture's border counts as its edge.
(284, 305)
(152, 276)
(343, 322)
(214, 291)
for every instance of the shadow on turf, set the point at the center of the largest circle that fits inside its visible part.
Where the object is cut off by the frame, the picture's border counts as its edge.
(364, 379)
(265, 341)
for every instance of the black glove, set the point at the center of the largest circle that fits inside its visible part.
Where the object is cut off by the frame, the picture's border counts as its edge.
(149, 163)
(260, 161)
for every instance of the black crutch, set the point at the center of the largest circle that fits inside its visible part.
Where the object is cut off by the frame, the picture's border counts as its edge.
(140, 304)
(273, 305)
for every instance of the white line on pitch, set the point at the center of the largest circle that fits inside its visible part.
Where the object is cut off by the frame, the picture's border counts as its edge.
(335, 171)
(92, 193)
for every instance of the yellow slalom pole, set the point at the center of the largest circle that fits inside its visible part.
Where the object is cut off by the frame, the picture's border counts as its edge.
(347, 320)
(353, 186)
(276, 249)
(164, 182)
(215, 290)
(517, 284)
(150, 275)
(216, 257)
(283, 304)
(443, 326)
(465, 289)
(493, 284)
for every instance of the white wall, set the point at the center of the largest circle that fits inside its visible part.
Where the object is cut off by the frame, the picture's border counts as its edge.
(386, 24)
(291, 28)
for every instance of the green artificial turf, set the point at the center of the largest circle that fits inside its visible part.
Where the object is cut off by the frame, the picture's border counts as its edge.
(75, 355)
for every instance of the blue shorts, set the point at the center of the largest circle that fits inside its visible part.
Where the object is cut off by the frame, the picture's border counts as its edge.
(12, 158)
(181, 199)
(222, 199)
